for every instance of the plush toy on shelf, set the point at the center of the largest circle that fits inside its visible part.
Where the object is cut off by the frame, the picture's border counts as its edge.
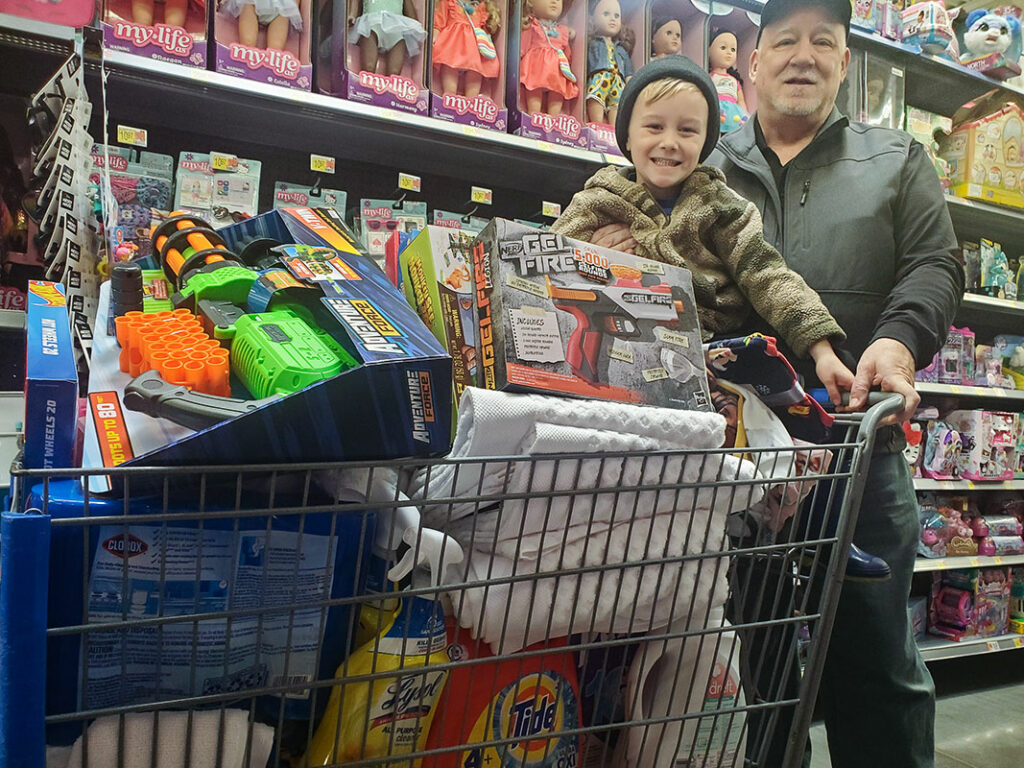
(666, 37)
(463, 52)
(722, 65)
(545, 72)
(609, 65)
(388, 27)
(992, 43)
(276, 15)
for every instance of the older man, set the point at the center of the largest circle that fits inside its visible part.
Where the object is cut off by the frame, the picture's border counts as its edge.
(858, 211)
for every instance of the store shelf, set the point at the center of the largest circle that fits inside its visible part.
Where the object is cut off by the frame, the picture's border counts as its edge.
(924, 484)
(139, 89)
(30, 28)
(974, 220)
(925, 564)
(987, 303)
(1014, 397)
(937, 648)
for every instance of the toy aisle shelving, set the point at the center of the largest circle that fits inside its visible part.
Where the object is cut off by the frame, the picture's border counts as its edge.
(208, 104)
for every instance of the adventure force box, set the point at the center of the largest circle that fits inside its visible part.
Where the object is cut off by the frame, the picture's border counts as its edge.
(559, 315)
(51, 380)
(311, 355)
(438, 282)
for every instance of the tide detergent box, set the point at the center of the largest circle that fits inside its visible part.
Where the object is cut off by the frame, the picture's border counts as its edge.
(321, 359)
(533, 699)
(556, 315)
(51, 380)
(437, 279)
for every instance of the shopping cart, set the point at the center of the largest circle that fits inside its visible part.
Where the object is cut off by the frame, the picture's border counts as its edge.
(222, 616)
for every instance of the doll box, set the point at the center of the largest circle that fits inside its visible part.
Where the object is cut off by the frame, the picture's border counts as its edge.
(437, 280)
(391, 91)
(970, 602)
(556, 315)
(479, 112)
(994, 65)
(984, 152)
(395, 401)
(254, 60)
(160, 41)
(990, 443)
(601, 138)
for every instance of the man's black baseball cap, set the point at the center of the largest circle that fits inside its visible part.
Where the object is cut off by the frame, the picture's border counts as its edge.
(777, 10)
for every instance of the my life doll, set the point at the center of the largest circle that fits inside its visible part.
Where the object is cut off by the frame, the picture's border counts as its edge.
(464, 54)
(725, 76)
(666, 37)
(174, 12)
(609, 65)
(544, 70)
(275, 15)
(390, 27)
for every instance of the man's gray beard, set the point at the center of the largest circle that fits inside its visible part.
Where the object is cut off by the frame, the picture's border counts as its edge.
(789, 110)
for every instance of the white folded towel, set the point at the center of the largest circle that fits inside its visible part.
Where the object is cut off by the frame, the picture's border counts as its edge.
(136, 743)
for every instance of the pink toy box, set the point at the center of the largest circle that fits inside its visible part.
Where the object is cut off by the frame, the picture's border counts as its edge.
(989, 445)
(929, 26)
(971, 602)
(943, 447)
(174, 30)
(271, 47)
(533, 115)
(467, 63)
(69, 13)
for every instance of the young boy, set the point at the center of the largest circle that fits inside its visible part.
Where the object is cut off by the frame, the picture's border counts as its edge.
(680, 212)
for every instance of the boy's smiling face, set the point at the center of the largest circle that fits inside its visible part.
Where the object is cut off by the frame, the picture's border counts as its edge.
(665, 140)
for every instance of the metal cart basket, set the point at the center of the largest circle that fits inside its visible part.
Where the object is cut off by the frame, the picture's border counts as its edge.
(606, 609)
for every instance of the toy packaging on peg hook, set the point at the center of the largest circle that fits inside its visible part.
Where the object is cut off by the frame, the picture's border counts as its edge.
(546, 72)
(171, 30)
(378, 52)
(467, 62)
(265, 40)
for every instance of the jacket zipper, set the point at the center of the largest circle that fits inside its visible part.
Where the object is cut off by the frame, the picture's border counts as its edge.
(803, 196)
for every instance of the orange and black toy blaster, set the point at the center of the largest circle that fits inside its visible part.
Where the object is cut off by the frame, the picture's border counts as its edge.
(617, 310)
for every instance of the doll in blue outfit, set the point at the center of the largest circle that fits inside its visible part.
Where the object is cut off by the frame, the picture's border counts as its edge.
(388, 27)
(609, 65)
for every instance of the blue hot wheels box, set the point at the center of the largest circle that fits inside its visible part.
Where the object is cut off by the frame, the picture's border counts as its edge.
(395, 402)
(51, 380)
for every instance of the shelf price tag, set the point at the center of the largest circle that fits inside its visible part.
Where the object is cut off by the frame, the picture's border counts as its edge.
(136, 137)
(321, 164)
(409, 182)
(992, 645)
(549, 209)
(997, 560)
(481, 195)
(222, 161)
(1018, 642)
(975, 562)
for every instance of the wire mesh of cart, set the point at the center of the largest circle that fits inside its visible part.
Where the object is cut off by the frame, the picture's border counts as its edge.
(613, 609)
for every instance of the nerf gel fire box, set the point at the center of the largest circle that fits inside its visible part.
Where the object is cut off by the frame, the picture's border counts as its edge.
(556, 315)
(51, 381)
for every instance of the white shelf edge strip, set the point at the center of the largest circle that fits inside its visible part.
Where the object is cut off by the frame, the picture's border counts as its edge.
(926, 484)
(925, 564)
(935, 648)
(966, 390)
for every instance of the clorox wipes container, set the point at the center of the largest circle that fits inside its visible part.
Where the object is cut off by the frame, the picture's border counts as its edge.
(526, 701)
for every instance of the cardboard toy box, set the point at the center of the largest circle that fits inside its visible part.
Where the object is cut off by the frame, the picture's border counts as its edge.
(970, 602)
(394, 402)
(990, 444)
(986, 160)
(438, 282)
(51, 379)
(556, 315)
(151, 29)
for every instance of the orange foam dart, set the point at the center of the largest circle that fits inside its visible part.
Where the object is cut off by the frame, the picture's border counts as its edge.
(218, 370)
(183, 314)
(174, 371)
(197, 240)
(195, 374)
(157, 359)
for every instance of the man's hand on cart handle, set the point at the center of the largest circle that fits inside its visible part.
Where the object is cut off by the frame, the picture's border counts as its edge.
(886, 364)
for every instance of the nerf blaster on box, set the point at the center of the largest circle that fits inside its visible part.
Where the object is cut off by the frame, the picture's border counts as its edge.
(229, 318)
(617, 310)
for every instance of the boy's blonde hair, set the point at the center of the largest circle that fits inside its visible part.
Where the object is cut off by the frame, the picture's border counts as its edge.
(666, 88)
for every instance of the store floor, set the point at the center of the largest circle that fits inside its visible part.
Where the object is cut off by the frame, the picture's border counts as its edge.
(979, 718)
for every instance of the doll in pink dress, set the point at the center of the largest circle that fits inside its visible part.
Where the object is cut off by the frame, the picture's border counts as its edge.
(544, 69)
(464, 54)
(722, 65)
